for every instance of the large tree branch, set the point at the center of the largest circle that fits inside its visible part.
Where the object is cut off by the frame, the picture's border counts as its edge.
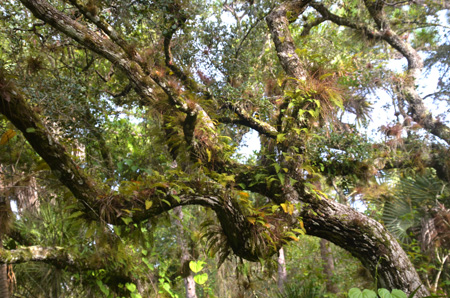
(61, 258)
(103, 46)
(406, 90)
(142, 79)
(57, 256)
(111, 207)
(365, 238)
(198, 124)
(278, 21)
(107, 29)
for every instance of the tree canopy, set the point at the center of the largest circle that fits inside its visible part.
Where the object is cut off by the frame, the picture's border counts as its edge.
(122, 124)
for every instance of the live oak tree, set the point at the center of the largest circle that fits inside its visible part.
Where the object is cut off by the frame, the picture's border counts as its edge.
(194, 77)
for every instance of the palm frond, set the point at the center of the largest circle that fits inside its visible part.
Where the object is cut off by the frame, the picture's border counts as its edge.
(398, 216)
(410, 211)
(420, 190)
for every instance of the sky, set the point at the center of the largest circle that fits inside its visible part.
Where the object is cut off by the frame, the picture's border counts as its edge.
(379, 116)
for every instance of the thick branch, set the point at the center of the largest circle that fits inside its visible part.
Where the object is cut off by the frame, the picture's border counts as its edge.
(61, 258)
(14, 107)
(57, 256)
(367, 240)
(278, 21)
(107, 29)
(247, 120)
(407, 89)
(142, 82)
(366, 30)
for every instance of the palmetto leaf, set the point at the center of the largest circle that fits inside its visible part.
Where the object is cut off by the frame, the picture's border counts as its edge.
(398, 217)
(420, 190)
(413, 198)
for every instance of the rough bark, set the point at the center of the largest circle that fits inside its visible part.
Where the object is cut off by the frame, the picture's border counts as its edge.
(50, 255)
(4, 286)
(328, 266)
(365, 238)
(278, 22)
(406, 89)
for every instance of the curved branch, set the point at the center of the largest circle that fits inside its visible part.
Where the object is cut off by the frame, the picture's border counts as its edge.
(406, 90)
(308, 26)
(142, 82)
(367, 240)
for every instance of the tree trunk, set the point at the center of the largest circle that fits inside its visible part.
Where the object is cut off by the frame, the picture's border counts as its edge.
(4, 286)
(328, 265)
(188, 276)
(365, 238)
(189, 285)
(282, 275)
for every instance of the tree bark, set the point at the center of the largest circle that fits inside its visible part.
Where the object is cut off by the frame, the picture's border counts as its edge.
(365, 238)
(4, 286)
(282, 273)
(328, 266)
(282, 38)
(186, 272)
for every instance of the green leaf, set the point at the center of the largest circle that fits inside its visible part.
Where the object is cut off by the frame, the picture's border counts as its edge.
(383, 293)
(201, 278)
(166, 286)
(148, 204)
(196, 266)
(90, 231)
(102, 287)
(356, 293)
(209, 154)
(369, 294)
(30, 130)
(127, 220)
(135, 295)
(281, 177)
(76, 214)
(146, 262)
(277, 167)
(131, 287)
(281, 137)
(398, 294)
(167, 202)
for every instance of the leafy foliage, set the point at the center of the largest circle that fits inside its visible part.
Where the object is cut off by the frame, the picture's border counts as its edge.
(114, 113)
